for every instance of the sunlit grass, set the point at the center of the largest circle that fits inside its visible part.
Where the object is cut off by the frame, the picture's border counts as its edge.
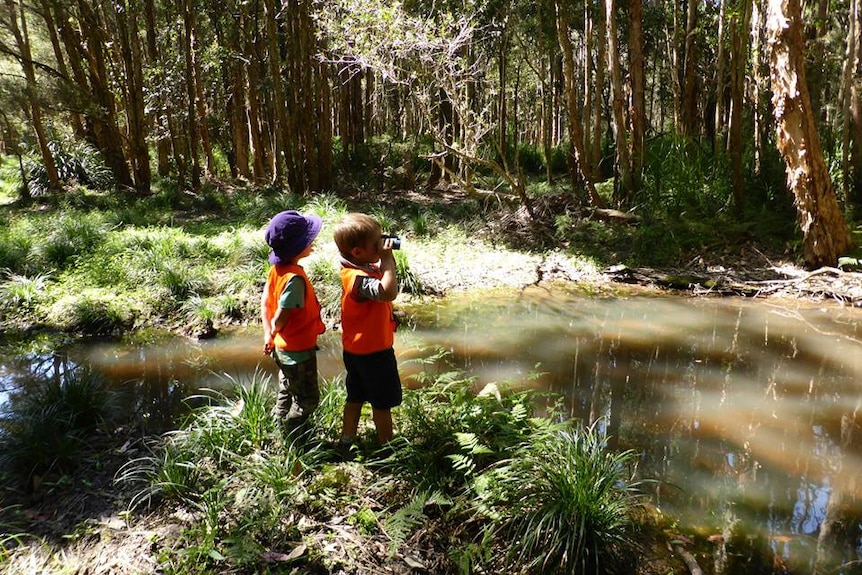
(565, 502)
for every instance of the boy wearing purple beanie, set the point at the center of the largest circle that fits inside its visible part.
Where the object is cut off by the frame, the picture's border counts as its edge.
(291, 320)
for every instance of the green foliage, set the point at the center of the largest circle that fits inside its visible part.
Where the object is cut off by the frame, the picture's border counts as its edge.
(564, 502)
(76, 163)
(407, 280)
(401, 524)
(683, 175)
(69, 237)
(433, 448)
(16, 246)
(47, 427)
(20, 293)
(92, 312)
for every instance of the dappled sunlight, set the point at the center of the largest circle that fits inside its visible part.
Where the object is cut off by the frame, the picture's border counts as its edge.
(734, 405)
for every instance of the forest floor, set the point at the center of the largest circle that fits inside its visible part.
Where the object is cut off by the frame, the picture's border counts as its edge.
(80, 524)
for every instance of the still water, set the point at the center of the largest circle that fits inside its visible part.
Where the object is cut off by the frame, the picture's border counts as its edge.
(735, 406)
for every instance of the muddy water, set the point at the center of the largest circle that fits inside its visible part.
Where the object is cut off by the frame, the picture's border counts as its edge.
(735, 406)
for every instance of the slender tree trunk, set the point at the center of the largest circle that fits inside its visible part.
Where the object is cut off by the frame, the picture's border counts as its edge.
(675, 64)
(163, 146)
(598, 85)
(847, 96)
(690, 76)
(278, 103)
(130, 48)
(637, 112)
(825, 233)
(258, 148)
(63, 68)
(22, 39)
(856, 113)
(201, 101)
(623, 160)
(502, 111)
(191, 124)
(577, 157)
(718, 145)
(589, 93)
(738, 62)
(104, 120)
(758, 88)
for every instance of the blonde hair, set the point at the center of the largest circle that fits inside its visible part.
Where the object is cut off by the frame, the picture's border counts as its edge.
(355, 230)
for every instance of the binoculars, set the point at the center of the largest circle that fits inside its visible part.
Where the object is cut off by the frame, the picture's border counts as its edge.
(396, 241)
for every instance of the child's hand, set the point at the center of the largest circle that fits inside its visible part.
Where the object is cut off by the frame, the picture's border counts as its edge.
(268, 347)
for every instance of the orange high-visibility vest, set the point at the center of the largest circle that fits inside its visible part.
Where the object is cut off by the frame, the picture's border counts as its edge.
(301, 331)
(367, 326)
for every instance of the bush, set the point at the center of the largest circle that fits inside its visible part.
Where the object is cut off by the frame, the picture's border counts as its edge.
(78, 163)
(564, 502)
(45, 428)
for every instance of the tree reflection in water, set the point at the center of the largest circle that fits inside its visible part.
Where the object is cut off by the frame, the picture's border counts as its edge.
(746, 412)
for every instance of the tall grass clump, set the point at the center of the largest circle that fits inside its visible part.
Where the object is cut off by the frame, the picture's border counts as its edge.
(407, 280)
(563, 502)
(93, 312)
(76, 163)
(230, 464)
(47, 427)
(16, 247)
(216, 440)
(70, 236)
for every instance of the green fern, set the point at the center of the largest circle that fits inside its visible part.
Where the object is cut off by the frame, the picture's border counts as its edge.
(402, 523)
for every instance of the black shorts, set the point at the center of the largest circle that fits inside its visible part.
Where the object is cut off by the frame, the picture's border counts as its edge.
(373, 378)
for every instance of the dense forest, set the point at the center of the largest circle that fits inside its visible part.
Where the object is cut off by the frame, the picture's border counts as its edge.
(488, 95)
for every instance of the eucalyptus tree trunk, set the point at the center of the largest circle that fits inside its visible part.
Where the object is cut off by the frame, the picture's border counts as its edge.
(502, 100)
(577, 158)
(235, 81)
(253, 104)
(103, 119)
(638, 93)
(191, 123)
(825, 233)
(595, 154)
(853, 108)
(758, 87)
(690, 75)
(623, 188)
(279, 114)
(22, 40)
(62, 67)
(159, 115)
(738, 63)
(309, 101)
(130, 48)
(856, 112)
(200, 100)
(719, 143)
(588, 92)
(672, 35)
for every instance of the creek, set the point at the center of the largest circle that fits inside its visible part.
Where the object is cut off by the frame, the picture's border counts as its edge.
(734, 406)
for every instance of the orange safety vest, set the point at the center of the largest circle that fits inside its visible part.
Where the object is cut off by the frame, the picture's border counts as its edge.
(300, 333)
(367, 326)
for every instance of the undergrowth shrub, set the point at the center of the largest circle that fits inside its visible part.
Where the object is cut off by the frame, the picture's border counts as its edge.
(70, 236)
(46, 427)
(93, 312)
(563, 502)
(76, 163)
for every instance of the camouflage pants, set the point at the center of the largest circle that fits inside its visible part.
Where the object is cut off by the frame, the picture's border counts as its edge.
(298, 393)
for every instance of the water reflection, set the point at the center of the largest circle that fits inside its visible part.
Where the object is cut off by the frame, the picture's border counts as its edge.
(735, 405)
